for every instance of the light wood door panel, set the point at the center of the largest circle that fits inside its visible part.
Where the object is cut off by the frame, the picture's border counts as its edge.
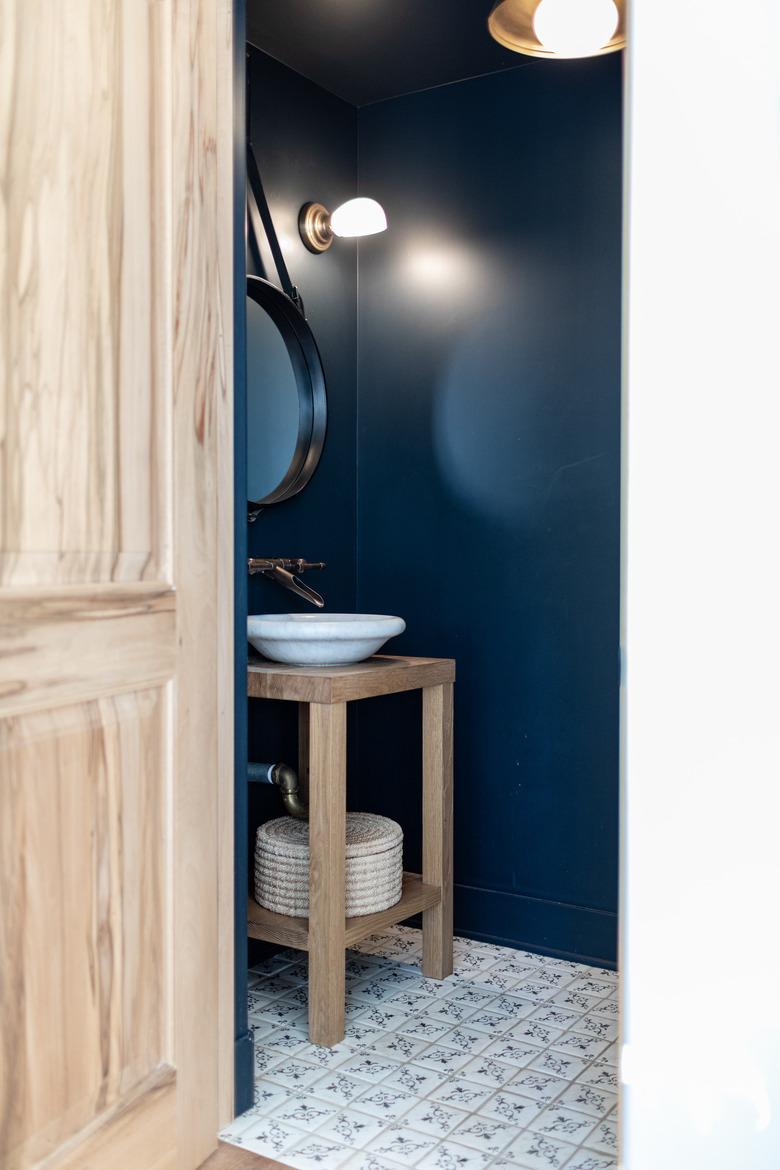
(86, 115)
(84, 861)
(115, 582)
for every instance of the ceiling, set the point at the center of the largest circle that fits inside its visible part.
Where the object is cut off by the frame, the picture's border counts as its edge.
(368, 50)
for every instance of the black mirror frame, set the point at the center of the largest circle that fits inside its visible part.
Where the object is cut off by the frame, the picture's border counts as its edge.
(310, 380)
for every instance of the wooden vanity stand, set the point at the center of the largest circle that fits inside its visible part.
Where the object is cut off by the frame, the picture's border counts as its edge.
(322, 694)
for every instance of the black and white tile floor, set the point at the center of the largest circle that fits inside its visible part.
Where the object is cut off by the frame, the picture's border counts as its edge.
(510, 1063)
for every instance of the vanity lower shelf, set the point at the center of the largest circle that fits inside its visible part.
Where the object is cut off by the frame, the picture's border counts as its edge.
(283, 930)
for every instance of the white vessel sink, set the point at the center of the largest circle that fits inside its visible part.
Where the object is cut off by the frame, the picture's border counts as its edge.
(321, 639)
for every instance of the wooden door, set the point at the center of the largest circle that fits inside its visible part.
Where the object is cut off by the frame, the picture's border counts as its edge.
(115, 581)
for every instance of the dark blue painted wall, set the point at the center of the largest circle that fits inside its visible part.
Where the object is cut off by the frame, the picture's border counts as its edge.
(488, 490)
(479, 494)
(305, 142)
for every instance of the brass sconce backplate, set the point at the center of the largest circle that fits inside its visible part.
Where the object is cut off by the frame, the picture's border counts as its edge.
(314, 226)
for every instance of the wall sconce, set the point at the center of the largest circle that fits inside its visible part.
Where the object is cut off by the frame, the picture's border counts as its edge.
(559, 28)
(356, 217)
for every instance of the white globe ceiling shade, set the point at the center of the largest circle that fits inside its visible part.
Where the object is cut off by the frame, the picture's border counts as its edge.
(513, 24)
(575, 28)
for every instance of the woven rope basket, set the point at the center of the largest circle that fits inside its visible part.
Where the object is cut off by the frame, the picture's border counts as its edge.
(374, 865)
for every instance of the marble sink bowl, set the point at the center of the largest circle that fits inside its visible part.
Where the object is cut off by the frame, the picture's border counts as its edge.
(321, 639)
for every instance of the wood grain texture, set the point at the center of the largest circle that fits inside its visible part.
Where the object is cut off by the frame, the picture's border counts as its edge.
(115, 582)
(437, 827)
(303, 749)
(229, 1157)
(228, 118)
(135, 1132)
(201, 170)
(285, 931)
(83, 914)
(327, 863)
(53, 643)
(84, 331)
(383, 674)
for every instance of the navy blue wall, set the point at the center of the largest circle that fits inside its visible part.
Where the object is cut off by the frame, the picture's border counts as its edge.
(488, 490)
(305, 142)
(479, 497)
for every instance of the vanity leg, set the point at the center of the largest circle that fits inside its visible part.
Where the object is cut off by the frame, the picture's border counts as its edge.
(327, 841)
(437, 828)
(303, 750)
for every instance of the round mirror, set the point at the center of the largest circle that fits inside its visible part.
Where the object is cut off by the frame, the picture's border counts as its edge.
(286, 405)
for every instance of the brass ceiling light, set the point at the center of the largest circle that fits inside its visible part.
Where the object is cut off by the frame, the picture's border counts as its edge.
(559, 28)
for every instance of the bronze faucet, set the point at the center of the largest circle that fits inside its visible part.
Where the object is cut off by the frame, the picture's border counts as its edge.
(285, 570)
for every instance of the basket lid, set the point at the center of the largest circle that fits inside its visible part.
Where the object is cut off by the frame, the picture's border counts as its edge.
(367, 833)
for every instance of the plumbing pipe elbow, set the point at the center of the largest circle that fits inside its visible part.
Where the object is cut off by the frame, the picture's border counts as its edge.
(286, 780)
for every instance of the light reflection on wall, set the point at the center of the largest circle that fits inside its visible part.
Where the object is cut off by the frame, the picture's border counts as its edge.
(445, 266)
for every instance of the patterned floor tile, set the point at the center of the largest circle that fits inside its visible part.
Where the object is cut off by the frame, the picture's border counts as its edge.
(596, 987)
(416, 1079)
(534, 1151)
(365, 1160)
(269, 1137)
(565, 1124)
(423, 1028)
(580, 1044)
(316, 1153)
(538, 1086)
(403, 1145)
(294, 1074)
(601, 1074)
(604, 1137)
(483, 1070)
(451, 1012)
(531, 1031)
(590, 1160)
(352, 1128)
(555, 1017)
(386, 1102)
(304, 1113)
(510, 1108)
(286, 1041)
(398, 1046)
(509, 1064)
(338, 1088)
(462, 1095)
(598, 1026)
(267, 1096)
(450, 1155)
(485, 1133)
(587, 1099)
(507, 1050)
(381, 1016)
(492, 1023)
(466, 1039)
(441, 1059)
(560, 1064)
(371, 1068)
(434, 1117)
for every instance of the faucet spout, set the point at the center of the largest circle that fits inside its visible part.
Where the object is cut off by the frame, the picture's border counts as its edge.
(284, 571)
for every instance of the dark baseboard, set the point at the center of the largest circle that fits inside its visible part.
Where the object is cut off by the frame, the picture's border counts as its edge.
(538, 925)
(245, 1074)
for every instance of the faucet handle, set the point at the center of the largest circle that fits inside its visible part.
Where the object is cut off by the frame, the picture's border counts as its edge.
(290, 564)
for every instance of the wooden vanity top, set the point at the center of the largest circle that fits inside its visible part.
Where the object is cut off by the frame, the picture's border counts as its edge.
(384, 674)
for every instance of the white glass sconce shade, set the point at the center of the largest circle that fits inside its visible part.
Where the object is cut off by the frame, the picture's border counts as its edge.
(358, 217)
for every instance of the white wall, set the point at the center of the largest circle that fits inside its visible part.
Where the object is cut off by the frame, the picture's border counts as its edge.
(701, 842)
